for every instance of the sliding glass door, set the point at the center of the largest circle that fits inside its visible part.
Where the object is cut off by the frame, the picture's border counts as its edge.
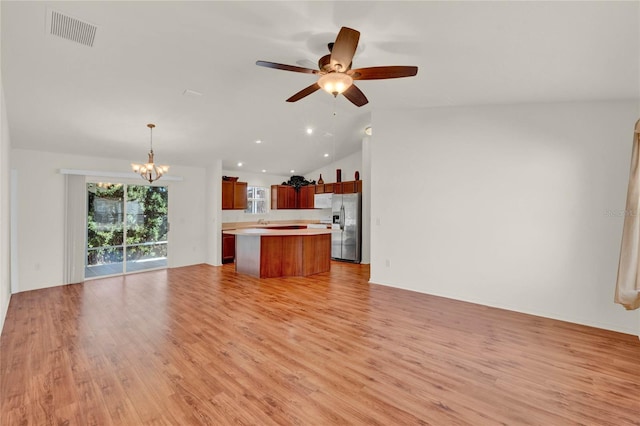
(126, 228)
(105, 230)
(146, 227)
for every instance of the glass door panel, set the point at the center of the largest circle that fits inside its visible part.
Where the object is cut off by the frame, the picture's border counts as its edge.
(105, 230)
(147, 226)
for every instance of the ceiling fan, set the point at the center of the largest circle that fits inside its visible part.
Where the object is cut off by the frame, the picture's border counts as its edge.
(336, 75)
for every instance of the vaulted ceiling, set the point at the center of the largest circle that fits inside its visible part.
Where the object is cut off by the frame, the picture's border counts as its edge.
(189, 67)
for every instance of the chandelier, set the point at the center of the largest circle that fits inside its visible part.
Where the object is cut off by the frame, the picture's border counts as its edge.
(150, 171)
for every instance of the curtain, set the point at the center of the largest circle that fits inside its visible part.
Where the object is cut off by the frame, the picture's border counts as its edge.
(75, 228)
(628, 283)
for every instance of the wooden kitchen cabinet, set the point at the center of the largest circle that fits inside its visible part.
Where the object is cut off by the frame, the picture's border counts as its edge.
(283, 197)
(343, 188)
(324, 188)
(306, 197)
(228, 248)
(234, 195)
(287, 197)
(227, 195)
(349, 187)
(240, 196)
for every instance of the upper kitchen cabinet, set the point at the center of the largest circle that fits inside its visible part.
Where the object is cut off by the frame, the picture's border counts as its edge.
(349, 187)
(283, 197)
(306, 197)
(240, 196)
(234, 195)
(288, 197)
(324, 188)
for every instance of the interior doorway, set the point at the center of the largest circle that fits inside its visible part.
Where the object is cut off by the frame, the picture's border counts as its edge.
(127, 228)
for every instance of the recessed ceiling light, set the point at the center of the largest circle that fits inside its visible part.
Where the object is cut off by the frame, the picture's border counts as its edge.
(264, 171)
(240, 164)
(309, 130)
(258, 141)
(326, 155)
(292, 171)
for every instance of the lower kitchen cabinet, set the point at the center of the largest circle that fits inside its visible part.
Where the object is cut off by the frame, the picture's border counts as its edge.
(228, 248)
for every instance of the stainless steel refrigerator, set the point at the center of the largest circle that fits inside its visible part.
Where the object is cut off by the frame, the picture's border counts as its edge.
(346, 238)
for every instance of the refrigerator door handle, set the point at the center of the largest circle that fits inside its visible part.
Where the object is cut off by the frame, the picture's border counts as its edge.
(342, 214)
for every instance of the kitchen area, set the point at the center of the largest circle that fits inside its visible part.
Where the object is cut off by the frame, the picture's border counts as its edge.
(295, 228)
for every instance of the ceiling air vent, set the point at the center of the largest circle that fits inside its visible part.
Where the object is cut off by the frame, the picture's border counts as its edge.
(73, 29)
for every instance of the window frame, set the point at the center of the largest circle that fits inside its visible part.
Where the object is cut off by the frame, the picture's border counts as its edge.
(252, 201)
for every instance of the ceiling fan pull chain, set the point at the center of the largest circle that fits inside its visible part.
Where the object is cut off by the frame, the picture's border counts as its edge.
(334, 126)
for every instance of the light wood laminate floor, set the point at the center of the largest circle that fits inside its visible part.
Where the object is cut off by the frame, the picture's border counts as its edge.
(205, 345)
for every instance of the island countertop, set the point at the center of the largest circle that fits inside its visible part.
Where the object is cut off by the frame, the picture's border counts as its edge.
(283, 224)
(277, 232)
(268, 253)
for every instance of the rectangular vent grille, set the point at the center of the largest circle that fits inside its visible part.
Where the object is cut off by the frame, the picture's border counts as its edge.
(72, 29)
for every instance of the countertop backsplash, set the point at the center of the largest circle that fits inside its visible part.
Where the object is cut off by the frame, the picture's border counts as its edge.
(276, 215)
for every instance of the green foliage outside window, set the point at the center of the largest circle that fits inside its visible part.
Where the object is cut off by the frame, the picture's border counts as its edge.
(146, 222)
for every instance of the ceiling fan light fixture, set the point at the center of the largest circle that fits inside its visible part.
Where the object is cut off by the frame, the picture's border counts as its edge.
(336, 73)
(335, 82)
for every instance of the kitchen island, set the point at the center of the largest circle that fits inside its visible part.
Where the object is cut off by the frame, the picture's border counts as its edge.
(269, 253)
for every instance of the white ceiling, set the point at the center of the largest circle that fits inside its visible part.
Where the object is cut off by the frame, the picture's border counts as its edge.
(62, 96)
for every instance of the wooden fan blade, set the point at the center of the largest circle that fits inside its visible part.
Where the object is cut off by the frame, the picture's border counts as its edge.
(286, 67)
(344, 48)
(304, 92)
(379, 73)
(356, 96)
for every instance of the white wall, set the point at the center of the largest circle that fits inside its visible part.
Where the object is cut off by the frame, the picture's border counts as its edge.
(349, 165)
(5, 259)
(213, 217)
(187, 213)
(41, 213)
(365, 175)
(512, 206)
